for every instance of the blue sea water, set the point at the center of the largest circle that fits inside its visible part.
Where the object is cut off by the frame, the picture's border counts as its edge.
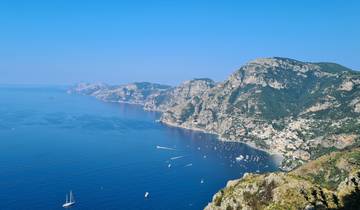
(52, 142)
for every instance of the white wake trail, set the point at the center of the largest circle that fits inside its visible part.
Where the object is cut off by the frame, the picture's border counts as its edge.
(166, 148)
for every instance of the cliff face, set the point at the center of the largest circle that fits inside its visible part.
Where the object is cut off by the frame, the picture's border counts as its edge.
(179, 96)
(297, 109)
(330, 182)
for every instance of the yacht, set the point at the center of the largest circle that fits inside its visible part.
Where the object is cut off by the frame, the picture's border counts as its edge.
(69, 201)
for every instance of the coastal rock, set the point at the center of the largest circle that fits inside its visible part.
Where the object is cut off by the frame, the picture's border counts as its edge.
(135, 93)
(88, 88)
(299, 110)
(180, 95)
(329, 182)
(279, 103)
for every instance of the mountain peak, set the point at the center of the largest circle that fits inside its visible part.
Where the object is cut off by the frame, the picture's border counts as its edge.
(290, 63)
(275, 61)
(206, 81)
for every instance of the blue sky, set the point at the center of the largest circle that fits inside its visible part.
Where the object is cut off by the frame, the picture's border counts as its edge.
(69, 41)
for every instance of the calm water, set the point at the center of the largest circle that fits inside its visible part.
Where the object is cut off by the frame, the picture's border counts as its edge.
(52, 142)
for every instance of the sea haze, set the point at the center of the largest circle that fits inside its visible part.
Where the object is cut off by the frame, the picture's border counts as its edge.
(52, 142)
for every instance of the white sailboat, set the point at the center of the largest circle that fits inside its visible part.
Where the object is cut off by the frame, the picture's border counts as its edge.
(69, 202)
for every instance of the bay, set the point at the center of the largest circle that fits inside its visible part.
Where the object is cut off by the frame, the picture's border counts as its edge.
(108, 154)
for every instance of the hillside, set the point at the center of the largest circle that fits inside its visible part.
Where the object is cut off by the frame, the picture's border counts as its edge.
(329, 182)
(300, 110)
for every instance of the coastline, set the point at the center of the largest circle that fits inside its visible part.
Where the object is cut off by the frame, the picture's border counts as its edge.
(276, 156)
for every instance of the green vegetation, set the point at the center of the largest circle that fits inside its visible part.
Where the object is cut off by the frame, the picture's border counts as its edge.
(332, 67)
(314, 184)
(187, 112)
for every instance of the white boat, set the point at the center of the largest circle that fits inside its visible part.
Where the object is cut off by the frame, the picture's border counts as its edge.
(240, 158)
(69, 201)
(146, 194)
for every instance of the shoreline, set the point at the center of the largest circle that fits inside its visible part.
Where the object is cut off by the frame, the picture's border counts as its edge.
(276, 156)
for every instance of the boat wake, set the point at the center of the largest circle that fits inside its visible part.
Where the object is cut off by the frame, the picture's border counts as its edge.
(177, 157)
(188, 165)
(165, 148)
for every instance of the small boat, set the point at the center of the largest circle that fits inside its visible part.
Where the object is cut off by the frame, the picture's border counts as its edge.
(146, 194)
(240, 158)
(69, 201)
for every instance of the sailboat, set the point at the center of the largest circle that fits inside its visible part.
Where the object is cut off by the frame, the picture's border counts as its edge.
(69, 201)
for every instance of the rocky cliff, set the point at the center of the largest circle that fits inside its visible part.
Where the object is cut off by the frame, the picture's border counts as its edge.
(154, 97)
(297, 109)
(178, 97)
(330, 182)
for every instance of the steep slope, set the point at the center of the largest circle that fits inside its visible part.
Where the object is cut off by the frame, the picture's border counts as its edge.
(330, 182)
(297, 109)
(180, 95)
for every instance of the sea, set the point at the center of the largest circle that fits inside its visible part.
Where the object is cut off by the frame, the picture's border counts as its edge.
(108, 154)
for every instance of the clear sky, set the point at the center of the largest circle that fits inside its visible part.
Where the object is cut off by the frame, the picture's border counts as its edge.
(69, 41)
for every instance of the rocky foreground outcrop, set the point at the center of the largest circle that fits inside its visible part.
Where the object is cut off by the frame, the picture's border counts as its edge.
(297, 109)
(330, 182)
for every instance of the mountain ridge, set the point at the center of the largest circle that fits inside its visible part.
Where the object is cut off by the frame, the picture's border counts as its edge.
(297, 109)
